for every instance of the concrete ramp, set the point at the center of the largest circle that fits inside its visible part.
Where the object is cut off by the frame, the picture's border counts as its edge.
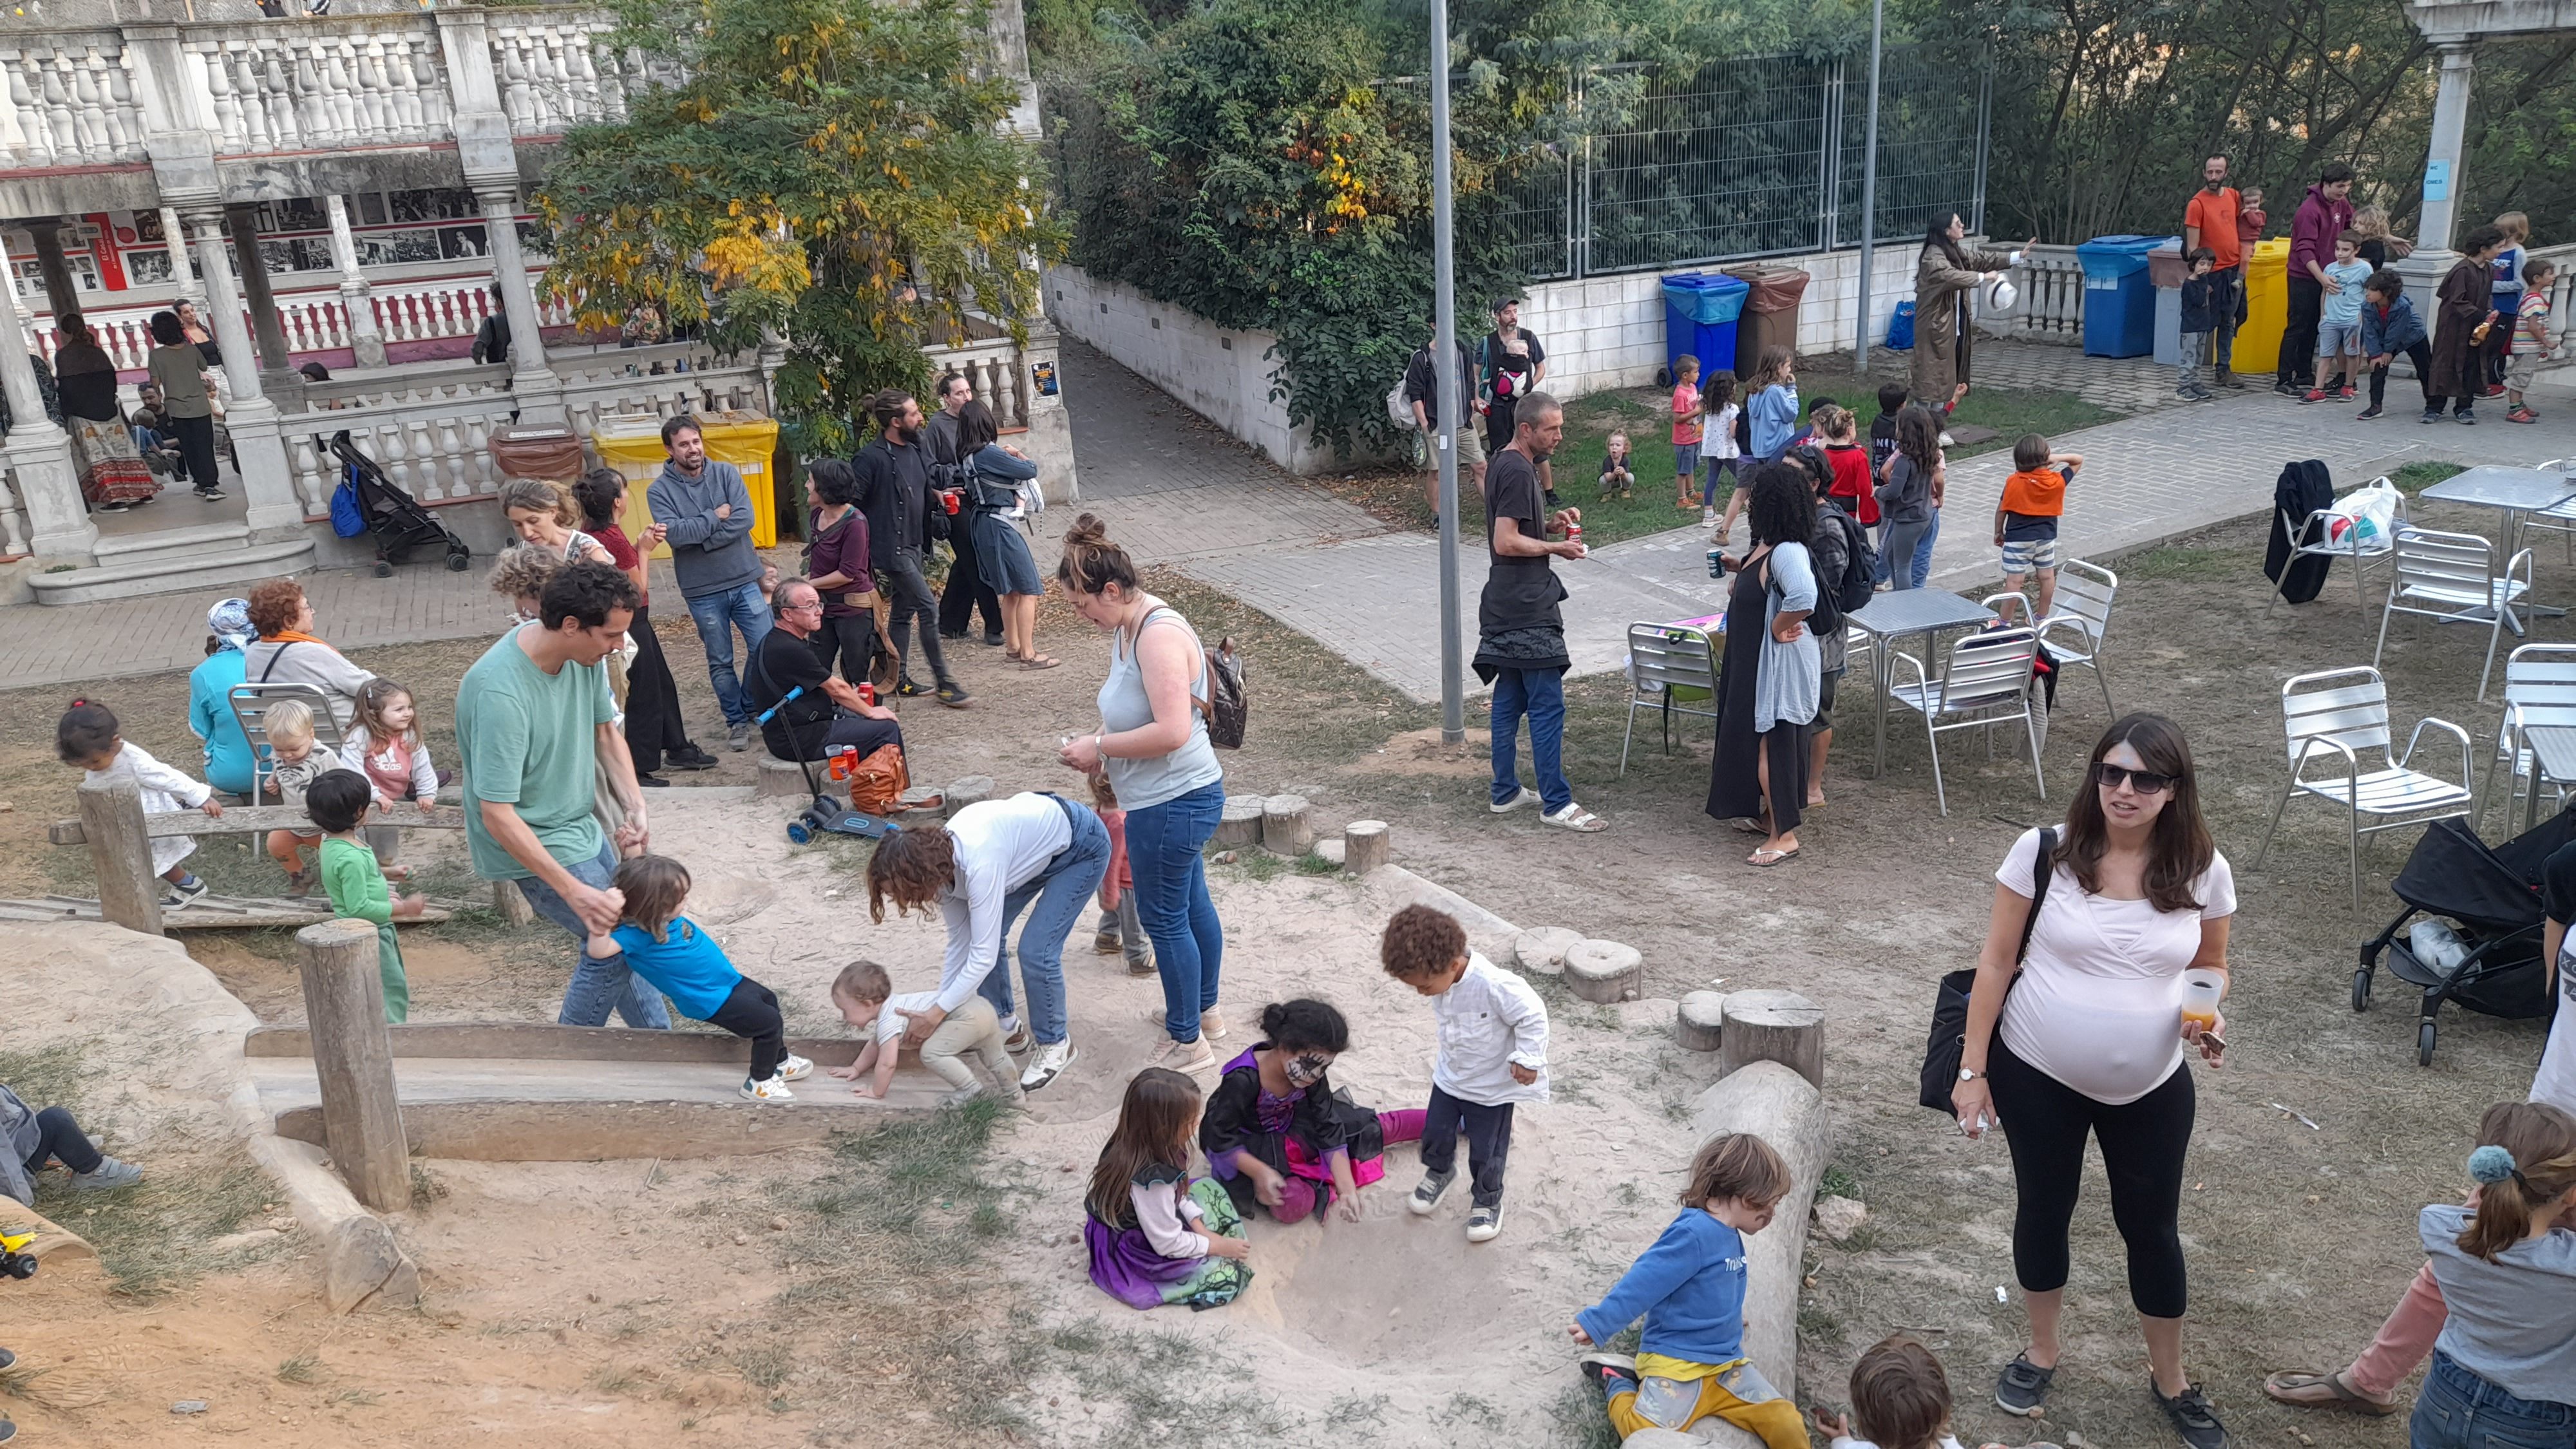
(533, 1092)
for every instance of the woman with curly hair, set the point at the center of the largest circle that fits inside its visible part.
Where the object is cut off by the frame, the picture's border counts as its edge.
(288, 652)
(1039, 853)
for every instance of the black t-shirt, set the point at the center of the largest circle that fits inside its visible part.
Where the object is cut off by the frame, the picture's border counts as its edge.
(782, 663)
(1508, 379)
(2558, 884)
(1882, 442)
(1423, 386)
(1520, 593)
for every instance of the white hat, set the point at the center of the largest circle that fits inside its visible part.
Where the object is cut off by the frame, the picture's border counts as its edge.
(2000, 296)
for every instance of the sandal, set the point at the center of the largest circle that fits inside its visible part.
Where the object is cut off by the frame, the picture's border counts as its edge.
(1777, 857)
(1036, 662)
(1747, 825)
(2300, 1390)
(1575, 817)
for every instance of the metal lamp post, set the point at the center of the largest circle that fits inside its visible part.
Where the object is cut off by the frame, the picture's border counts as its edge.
(1444, 268)
(1869, 189)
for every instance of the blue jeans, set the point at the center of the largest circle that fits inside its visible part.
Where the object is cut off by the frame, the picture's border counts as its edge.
(1923, 550)
(597, 986)
(717, 616)
(1540, 695)
(1061, 890)
(2459, 1410)
(1163, 845)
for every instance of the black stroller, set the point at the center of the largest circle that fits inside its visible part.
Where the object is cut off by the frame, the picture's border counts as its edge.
(396, 519)
(2493, 896)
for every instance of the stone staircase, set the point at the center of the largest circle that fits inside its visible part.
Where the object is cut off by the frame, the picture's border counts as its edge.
(208, 558)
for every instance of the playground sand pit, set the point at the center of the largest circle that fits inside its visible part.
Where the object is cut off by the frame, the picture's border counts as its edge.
(920, 1284)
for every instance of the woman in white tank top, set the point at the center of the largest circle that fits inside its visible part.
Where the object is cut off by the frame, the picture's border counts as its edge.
(1152, 748)
(2090, 1042)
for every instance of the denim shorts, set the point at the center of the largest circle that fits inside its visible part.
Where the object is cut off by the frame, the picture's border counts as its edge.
(2021, 555)
(2338, 339)
(1685, 459)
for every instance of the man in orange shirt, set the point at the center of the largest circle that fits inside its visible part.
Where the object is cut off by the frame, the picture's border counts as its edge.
(2210, 221)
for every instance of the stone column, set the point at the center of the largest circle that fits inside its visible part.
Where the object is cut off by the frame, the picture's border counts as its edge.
(62, 293)
(183, 270)
(533, 385)
(251, 418)
(48, 486)
(355, 295)
(2444, 158)
(277, 373)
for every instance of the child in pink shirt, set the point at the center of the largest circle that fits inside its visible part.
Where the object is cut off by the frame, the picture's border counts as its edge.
(1686, 426)
(384, 745)
(1120, 929)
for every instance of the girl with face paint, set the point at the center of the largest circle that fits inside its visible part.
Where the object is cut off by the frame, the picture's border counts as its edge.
(1274, 1132)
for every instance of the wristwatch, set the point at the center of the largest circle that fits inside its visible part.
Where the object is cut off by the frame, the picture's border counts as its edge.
(1969, 1074)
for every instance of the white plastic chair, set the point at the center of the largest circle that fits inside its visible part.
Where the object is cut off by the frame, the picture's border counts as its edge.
(251, 702)
(2308, 540)
(2539, 693)
(2451, 578)
(1667, 664)
(2343, 714)
(1987, 683)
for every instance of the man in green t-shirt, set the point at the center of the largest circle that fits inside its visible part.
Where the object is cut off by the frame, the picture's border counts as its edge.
(533, 723)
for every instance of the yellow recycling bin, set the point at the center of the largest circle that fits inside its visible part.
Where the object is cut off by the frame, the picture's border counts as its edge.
(2267, 307)
(633, 446)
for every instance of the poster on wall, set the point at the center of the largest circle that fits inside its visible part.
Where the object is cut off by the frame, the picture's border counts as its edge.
(1043, 374)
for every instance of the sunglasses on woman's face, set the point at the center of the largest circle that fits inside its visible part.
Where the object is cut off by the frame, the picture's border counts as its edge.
(2145, 782)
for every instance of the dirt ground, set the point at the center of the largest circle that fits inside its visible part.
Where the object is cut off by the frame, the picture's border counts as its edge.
(2300, 1238)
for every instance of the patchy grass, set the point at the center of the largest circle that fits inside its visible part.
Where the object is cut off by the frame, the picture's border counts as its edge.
(303, 1368)
(2012, 413)
(1154, 1385)
(1340, 712)
(2414, 478)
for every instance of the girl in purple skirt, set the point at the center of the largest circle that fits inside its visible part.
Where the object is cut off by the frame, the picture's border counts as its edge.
(1155, 1235)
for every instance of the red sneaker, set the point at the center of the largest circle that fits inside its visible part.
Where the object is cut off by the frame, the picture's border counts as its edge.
(2522, 415)
(2346, 393)
(2315, 394)
(2493, 389)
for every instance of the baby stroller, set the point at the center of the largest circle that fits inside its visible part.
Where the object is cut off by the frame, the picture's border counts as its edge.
(2493, 897)
(396, 519)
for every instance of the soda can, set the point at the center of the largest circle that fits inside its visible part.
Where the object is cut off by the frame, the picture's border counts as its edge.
(1716, 563)
(867, 692)
(1574, 534)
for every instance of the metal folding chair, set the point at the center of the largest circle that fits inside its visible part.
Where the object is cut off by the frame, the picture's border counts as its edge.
(1668, 664)
(2308, 540)
(2451, 578)
(2539, 693)
(251, 703)
(2558, 518)
(1987, 683)
(2343, 714)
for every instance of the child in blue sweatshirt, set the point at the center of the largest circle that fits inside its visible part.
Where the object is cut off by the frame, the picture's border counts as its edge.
(653, 940)
(1690, 1288)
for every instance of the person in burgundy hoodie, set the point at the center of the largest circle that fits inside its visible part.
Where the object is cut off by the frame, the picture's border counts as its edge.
(2325, 214)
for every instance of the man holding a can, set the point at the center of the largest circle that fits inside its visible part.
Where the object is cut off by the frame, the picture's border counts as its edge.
(826, 712)
(1520, 645)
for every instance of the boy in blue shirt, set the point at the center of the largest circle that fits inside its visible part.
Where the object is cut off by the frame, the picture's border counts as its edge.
(685, 964)
(1689, 1286)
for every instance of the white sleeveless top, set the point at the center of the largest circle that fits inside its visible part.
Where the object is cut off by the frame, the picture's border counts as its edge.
(2099, 1002)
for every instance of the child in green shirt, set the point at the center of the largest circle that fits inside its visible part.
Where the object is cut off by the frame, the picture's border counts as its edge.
(338, 801)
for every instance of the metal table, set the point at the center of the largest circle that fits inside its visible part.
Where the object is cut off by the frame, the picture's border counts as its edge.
(2514, 492)
(2553, 762)
(1898, 614)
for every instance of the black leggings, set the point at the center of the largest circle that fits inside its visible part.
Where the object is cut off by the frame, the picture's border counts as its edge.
(752, 1012)
(849, 638)
(196, 440)
(2419, 353)
(60, 1139)
(2143, 1142)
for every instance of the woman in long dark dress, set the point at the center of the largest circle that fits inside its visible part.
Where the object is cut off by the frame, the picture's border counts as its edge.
(1768, 683)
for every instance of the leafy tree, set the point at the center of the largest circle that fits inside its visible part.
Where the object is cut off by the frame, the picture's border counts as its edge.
(832, 171)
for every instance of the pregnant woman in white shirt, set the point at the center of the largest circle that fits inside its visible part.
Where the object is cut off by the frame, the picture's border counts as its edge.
(2089, 1042)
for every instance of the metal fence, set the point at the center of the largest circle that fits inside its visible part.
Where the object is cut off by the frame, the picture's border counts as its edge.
(1749, 158)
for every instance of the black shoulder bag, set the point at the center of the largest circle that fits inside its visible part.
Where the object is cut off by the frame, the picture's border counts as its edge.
(1949, 1039)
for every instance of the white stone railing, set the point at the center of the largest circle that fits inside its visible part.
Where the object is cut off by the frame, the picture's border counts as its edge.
(556, 69)
(319, 84)
(2050, 305)
(992, 367)
(317, 319)
(2562, 294)
(67, 100)
(620, 382)
(433, 449)
(13, 518)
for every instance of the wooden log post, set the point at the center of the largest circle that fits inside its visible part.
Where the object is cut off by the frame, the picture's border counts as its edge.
(970, 790)
(1239, 827)
(1605, 972)
(1700, 1023)
(120, 854)
(511, 905)
(1543, 949)
(1773, 1026)
(344, 1001)
(1285, 830)
(1366, 845)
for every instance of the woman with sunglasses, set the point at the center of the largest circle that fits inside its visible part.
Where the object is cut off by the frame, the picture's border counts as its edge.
(1275, 1133)
(2084, 1036)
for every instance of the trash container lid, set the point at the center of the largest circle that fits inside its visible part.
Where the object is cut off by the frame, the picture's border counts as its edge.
(1706, 298)
(2126, 244)
(1775, 289)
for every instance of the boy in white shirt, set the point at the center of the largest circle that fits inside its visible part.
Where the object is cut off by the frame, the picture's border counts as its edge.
(1900, 1399)
(867, 1001)
(1493, 1055)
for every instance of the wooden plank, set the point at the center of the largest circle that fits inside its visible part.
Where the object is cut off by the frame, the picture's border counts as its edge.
(344, 998)
(120, 854)
(532, 1041)
(502, 1131)
(243, 819)
(209, 913)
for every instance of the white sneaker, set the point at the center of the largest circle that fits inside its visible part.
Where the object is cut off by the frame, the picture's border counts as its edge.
(1048, 1064)
(773, 1090)
(793, 1068)
(1708, 518)
(1183, 1056)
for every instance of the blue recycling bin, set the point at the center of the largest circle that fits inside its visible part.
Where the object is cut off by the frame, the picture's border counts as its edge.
(2119, 296)
(1700, 313)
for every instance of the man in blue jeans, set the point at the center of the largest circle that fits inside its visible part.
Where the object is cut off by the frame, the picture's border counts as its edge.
(1520, 647)
(703, 511)
(533, 721)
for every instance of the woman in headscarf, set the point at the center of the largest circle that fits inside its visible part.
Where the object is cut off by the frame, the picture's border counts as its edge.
(113, 476)
(210, 688)
(1943, 277)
